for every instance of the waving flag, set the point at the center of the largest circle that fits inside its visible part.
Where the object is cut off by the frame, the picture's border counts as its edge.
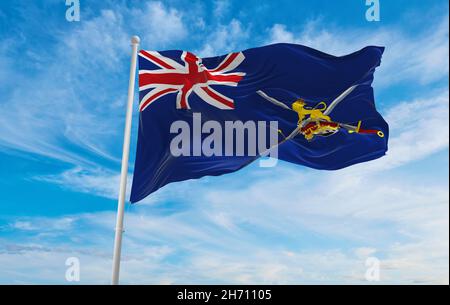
(323, 107)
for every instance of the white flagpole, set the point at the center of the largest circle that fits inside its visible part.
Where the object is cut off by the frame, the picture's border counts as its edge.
(124, 170)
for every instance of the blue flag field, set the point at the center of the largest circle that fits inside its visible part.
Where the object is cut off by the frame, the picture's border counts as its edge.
(211, 116)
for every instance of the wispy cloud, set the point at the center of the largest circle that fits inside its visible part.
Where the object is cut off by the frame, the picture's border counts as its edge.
(225, 38)
(58, 113)
(72, 110)
(98, 181)
(221, 7)
(316, 236)
(411, 123)
(162, 25)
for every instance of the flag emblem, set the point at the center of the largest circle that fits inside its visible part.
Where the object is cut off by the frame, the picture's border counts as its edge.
(187, 78)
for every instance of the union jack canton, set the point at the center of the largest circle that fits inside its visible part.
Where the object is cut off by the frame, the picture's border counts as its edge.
(189, 77)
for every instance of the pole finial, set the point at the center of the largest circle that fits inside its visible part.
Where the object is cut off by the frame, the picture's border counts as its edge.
(135, 40)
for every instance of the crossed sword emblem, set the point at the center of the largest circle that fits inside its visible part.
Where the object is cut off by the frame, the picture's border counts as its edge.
(317, 122)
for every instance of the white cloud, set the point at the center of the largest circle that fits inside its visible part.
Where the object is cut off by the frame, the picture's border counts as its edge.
(365, 252)
(100, 182)
(226, 38)
(279, 34)
(221, 7)
(42, 225)
(424, 126)
(161, 24)
(105, 183)
(418, 129)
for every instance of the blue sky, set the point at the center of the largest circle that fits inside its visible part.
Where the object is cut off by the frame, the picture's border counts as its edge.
(62, 100)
